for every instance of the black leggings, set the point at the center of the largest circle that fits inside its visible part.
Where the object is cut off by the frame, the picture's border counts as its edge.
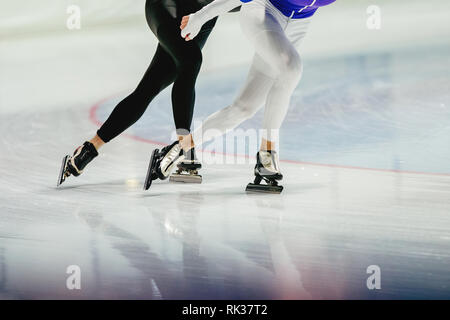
(176, 61)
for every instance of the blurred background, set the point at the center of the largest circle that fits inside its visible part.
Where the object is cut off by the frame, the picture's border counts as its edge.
(42, 58)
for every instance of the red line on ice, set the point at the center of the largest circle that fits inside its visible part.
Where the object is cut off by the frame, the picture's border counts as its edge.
(94, 119)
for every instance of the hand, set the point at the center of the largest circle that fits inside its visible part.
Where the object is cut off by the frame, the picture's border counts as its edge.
(189, 27)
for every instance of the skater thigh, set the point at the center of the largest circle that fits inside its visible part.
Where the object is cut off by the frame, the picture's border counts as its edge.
(159, 75)
(188, 58)
(164, 19)
(250, 99)
(279, 96)
(254, 93)
(282, 60)
(265, 29)
(296, 31)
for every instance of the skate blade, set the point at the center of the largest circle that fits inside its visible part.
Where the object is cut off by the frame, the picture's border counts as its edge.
(186, 178)
(151, 165)
(263, 188)
(63, 171)
(187, 167)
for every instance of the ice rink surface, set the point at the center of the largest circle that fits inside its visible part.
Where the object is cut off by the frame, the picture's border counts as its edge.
(366, 160)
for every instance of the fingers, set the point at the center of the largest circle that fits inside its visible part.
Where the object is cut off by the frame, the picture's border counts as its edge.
(186, 36)
(183, 25)
(184, 22)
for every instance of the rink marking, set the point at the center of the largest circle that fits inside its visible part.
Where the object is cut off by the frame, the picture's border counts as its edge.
(95, 120)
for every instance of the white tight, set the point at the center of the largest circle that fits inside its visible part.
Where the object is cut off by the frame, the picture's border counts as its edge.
(275, 72)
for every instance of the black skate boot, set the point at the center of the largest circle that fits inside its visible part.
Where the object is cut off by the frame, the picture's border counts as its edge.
(74, 165)
(162, 163)
(267, 169)
(188, 169)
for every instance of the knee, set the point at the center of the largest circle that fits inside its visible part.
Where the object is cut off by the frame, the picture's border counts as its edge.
(133, 106)
(191, 60)
(290, 66)
(138, 101)
(244, 110)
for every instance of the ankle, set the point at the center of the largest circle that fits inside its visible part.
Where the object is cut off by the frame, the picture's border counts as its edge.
(97, 142)
(186, 142)
(267, 145)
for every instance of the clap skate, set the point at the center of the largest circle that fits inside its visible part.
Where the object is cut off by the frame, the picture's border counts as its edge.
(74, 165)
(266, 169)
(188, 169)
(162, 162)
